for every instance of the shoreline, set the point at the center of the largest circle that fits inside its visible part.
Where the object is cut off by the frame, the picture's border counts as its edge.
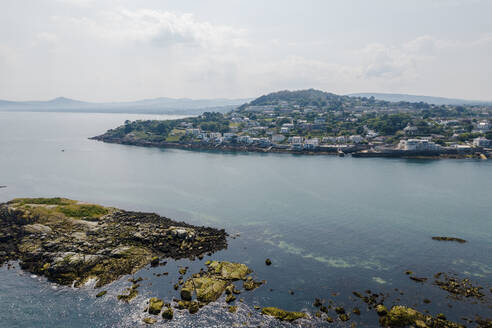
(356, 152)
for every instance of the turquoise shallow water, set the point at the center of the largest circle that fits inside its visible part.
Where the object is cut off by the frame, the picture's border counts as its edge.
(329, 224)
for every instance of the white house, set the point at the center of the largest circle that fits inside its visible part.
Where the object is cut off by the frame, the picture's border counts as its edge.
(296, 140)
(418, 145)
(278, 138)
(356, 139)
(481, 142)
(341, 140)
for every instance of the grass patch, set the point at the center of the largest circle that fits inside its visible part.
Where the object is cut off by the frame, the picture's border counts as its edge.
(173, 138)
(44, 201)
(85, 210)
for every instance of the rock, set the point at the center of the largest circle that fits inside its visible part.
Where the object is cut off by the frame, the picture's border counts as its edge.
(230, 298)
(344, 317)
(131, 295)
(193, 307)
(458, 287)
(155, 305)
(154, 261)
(268, 262)
(168, 313)
(208, 289)
(149, 321)
(251, 284)
(37, 228)
(101, 293)
(230, 271)
(282, 314)
(418, 279)
(329, 319)
(339, 310)
(381, 310)
(317, 302)
(441, 316)
(232, 308)
(182, 270)
(70, 242)
(356, 311)
(459, 240)
(401, 316)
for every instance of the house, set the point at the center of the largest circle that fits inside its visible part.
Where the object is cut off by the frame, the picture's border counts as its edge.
(418, 145)
(410, 130)
(284, 129)
(193, 132)
(296, 140)
(356, 139)
(481, 142)
(278, 138)
(329, 140)
(311, 144)
(483, 126)
(341, 140)
(245, 139)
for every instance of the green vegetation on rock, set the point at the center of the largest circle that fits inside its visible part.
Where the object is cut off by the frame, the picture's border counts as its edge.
(155, 305)
(282, 314)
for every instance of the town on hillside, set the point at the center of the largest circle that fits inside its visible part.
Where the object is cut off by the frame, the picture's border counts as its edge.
(312, 121)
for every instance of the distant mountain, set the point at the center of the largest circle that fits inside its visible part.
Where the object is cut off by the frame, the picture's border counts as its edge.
(395, 97)
(145, 106)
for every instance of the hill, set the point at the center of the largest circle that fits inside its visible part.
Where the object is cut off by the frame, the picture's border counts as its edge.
(145, 106)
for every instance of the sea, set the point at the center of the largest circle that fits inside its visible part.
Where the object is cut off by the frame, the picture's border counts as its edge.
(330, 225)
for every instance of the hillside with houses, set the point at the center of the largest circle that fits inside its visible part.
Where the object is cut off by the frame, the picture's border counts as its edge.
(313, 121)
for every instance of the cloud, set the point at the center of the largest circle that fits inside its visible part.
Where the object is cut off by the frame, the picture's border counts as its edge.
(159, 28)
(398, 61)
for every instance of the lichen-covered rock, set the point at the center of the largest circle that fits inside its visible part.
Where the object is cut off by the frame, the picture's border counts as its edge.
(155, 305)
(230, 271)
(207, 288)
(230, 298)
(133, 292)
(381, 310)
(101, 293)
(70, 242)
(282, 314)
(149, 321)
(250, 284)
(402, 316)
(168, 313)
(193, 307)
(344, 317)
(458, 288)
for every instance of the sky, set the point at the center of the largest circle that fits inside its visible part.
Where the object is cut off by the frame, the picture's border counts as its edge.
(122, 50)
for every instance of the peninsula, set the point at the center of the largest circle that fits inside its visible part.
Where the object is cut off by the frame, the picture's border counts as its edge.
(317, 122)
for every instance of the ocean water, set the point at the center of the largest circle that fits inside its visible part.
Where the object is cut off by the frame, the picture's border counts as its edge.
(330, 225)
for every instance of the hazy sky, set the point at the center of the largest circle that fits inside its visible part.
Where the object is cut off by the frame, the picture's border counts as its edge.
(115, 50)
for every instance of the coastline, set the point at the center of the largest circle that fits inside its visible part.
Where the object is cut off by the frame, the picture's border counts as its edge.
(362, 151)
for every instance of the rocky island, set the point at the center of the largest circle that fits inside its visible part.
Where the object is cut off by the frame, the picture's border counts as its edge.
(70, 242)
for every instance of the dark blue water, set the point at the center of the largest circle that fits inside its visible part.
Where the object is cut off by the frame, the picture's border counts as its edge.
(329, 224)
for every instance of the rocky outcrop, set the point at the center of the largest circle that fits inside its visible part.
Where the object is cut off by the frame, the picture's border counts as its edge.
(70, 242)
(282, 314)
(458, 240)
(208, 286)
(402, 316)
